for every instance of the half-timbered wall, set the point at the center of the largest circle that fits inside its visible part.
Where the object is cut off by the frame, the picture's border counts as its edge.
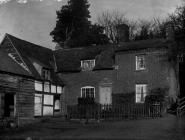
(47, 98)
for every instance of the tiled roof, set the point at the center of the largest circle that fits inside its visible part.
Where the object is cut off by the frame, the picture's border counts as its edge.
(7, 64)
(68, 60)
(142, 44)
(34, 53)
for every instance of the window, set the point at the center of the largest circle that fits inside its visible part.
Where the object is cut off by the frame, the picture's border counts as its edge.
(87, 65)
(140, 62)
(46, 87)
(141, 90)
(48, 110)
(48, 99)
(38, 86)
(38, 105)
(59, 89)
(88, 92)
(46, 74)
(53, 88)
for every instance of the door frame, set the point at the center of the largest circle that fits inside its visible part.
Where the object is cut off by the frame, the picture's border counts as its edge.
(105, 85)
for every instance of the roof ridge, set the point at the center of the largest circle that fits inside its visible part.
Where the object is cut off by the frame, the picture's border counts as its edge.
(9, 35)
(83, 48)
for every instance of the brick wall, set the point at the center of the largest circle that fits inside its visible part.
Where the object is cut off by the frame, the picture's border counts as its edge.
(155, 76)
(74, 82)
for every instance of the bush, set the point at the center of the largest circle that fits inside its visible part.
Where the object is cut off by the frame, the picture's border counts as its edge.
(156, 96)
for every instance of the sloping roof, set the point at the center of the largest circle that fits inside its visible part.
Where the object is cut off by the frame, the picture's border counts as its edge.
(68, 60)
(9, 65)
(34, 53)
(142, 44)
(30, 50)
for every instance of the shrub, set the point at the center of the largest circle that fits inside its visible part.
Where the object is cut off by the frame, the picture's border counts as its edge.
(156, 96)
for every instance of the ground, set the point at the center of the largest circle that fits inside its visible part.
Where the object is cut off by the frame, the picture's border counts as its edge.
(168, 127)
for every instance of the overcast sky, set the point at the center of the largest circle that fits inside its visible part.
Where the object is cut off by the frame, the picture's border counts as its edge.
(33, 20)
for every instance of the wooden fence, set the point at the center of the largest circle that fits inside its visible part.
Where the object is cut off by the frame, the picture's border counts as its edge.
(114, 112)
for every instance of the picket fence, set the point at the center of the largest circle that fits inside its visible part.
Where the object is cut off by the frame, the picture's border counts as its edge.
(114, 112)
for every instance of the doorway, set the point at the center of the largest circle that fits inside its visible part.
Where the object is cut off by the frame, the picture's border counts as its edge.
(9, 105)
(105, 95)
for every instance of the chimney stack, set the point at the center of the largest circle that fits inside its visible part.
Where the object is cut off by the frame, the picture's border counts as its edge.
(170, 33)
(123, 33)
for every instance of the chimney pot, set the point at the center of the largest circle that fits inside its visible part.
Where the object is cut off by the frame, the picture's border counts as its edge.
(123, 33)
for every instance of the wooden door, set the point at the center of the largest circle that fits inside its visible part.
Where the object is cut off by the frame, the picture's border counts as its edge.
(105, 94)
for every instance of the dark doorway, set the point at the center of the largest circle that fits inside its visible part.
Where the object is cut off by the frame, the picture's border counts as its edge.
(182, 79)
(9, 105)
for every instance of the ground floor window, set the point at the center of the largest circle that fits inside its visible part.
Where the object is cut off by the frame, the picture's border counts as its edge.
(88, 92)
(141, 91)
(46, 104)
(38, 105)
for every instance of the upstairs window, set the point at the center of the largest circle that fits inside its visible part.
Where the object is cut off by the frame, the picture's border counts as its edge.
(140, 62)
(46, 74)
(88, 92)
(87, 65)
(141, 91)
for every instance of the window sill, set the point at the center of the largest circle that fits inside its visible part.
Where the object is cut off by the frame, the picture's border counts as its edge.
(143, 70)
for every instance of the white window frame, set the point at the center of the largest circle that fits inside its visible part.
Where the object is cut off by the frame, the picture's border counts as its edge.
(138, 93)
(137, 62)
(87, 87)
(84, 68)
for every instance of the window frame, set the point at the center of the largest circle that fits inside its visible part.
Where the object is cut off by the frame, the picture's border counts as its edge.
(140, 94)
(138, 68)
(87, 87)
(46, 74)
(87, 69)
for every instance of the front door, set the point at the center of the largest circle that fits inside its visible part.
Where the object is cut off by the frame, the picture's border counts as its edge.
(105, 95)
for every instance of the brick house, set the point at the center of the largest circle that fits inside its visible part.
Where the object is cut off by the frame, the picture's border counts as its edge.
(87, 72)
(143, 68)
(133, 68)
(109, 73)
(38, 90)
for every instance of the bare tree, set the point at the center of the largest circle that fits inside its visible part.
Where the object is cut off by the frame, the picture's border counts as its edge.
(110, 20)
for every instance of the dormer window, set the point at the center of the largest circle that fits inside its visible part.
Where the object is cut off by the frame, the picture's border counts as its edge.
(46, 74)
(87, 65)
